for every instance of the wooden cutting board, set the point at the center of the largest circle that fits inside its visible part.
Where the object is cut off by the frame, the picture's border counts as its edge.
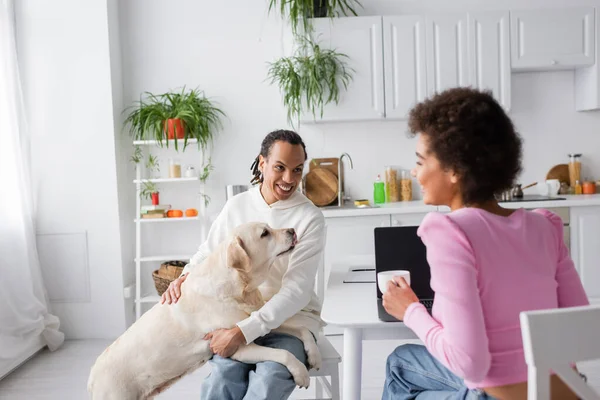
(321, 186)
(330, 164)
(560, 172)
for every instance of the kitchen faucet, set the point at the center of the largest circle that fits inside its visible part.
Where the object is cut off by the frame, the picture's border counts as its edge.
(342, 181)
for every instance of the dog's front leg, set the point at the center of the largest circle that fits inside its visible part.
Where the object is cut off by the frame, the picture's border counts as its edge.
(253, 353)
(310, 345)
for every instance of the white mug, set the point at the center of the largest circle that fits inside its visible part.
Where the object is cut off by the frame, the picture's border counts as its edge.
(385, 276)
(553, 186)
(549, 187)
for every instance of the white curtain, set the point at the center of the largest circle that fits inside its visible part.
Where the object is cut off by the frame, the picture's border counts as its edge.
(24, 316)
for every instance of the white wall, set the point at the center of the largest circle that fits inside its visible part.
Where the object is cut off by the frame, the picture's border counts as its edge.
(224, 48)
(64, 55)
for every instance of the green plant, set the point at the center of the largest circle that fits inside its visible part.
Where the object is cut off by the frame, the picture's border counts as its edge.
(152, 164)
(311, 78)
(300, 11)
(206, 170)
(201, 118)
(147, 189)
(137, 155)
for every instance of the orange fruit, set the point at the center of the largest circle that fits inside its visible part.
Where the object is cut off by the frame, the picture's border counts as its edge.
(191, 212)
(174, 214)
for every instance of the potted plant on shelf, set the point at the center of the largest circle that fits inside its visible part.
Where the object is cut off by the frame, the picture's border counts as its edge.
(150, 191)
(152, 166)
(137, 156)
(174, 115)
(300, 11)
(310, 79)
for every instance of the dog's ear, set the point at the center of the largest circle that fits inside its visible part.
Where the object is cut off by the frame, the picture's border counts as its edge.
(236, 255)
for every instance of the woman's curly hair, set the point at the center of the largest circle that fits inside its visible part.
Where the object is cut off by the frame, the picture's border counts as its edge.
(469, 132)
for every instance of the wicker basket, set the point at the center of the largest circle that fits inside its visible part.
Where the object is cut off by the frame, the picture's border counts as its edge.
(167, 273)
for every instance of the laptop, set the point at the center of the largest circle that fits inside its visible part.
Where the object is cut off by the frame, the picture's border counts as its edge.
(399, 247)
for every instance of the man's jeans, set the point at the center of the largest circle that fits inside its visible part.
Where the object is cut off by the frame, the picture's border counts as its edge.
(413, 373)
(234, 380)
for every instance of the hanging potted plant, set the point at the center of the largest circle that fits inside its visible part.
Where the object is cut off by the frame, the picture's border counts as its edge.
(174, 115)
(310, 79)
(299, 12)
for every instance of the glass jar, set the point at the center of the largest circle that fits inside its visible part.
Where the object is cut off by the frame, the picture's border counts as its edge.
(574, 169)
(405, 185)
(174, 168)
(392, 184)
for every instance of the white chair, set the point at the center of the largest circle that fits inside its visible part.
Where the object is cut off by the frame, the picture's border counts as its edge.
(331, 358)
(552, 339)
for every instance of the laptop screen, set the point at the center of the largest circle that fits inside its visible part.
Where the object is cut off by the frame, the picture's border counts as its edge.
(399, 247)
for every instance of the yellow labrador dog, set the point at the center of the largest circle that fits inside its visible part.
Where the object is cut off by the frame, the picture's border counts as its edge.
(167, 343)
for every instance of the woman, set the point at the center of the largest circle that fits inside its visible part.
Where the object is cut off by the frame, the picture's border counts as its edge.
(487, 263)
(289, 288)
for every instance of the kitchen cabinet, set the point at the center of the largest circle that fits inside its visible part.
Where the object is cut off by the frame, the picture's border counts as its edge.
(447, 56)
(406, 219)
(489, 53)
(361, 39)
(558, 38)
(404, 61)
(585, 232)
(398, 61)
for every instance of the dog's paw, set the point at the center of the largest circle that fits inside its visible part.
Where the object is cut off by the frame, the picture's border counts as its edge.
(300, 374)
(314, 358)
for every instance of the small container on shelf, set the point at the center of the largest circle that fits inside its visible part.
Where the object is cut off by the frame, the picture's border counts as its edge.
(589, 187)
(190, 172)
(174, 168)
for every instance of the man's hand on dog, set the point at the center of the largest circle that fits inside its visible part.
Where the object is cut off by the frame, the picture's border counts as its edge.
(225, 342)
(173, 292)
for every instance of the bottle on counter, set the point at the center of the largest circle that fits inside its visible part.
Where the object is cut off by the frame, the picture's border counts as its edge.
(378, 191)
(578, 187)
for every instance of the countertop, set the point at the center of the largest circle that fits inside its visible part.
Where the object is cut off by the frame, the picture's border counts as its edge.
(417, 206)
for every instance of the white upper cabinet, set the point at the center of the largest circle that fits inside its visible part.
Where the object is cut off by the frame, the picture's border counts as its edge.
(360, 38)
(552, 38)
(447, 61)
(489, 53)
(404, 58)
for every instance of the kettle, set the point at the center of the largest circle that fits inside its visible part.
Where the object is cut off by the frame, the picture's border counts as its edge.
(517, 191)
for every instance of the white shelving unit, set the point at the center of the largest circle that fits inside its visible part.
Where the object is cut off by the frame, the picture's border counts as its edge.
(142, 295)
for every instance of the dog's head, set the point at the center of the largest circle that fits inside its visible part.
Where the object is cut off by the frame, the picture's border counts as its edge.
(253, 248)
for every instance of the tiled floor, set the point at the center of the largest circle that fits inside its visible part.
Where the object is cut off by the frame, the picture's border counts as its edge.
(62, 375)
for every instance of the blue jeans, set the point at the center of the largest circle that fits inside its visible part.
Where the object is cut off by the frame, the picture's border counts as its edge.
(413, 373)
(234, 380)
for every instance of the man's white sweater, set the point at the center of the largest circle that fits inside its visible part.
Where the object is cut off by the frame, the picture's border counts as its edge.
(289, 289)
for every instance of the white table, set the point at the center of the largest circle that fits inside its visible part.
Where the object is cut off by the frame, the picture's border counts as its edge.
(353, 307)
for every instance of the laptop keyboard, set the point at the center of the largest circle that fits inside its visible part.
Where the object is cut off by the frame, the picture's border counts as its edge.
(427, 303)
